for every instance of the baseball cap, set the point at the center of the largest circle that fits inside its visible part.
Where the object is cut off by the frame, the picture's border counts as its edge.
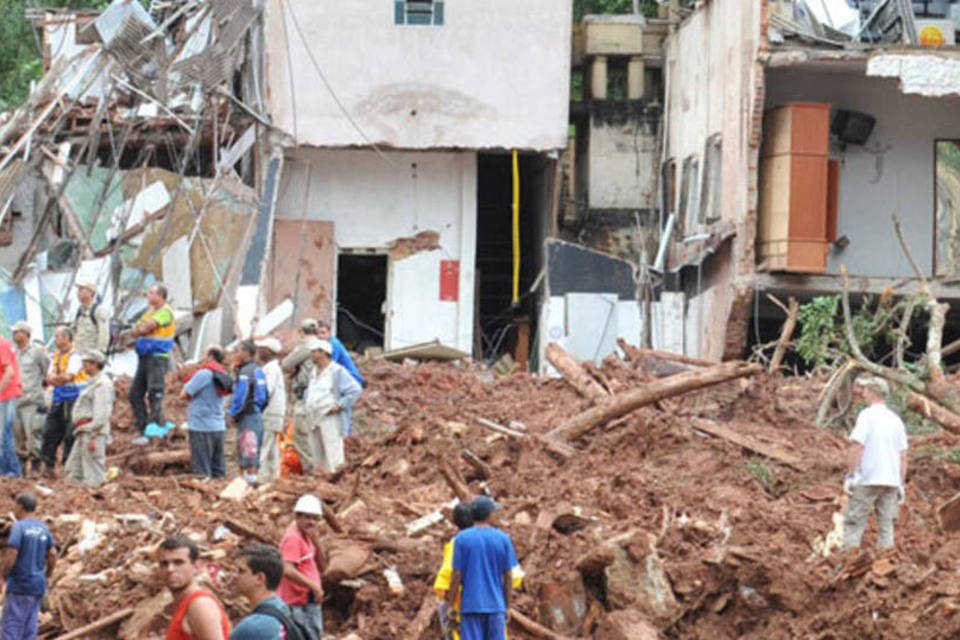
(875, 384)
(93, 355)
(21, 326)
(483, 506)
(269, 343)
(309, 324)
(87, 284)
(319, 345)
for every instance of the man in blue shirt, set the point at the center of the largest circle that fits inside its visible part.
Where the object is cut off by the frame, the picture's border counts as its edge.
(205, 391)
(257, 581)
(483, 559)
(28, 559)
(249, 399)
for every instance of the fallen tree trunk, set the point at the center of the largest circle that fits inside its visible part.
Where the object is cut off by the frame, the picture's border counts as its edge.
(534, 629)
(459, 487)
(772, 450)
(98, 625)
(624, 403)
(573, 373)
(159, 459)
(934, 411)
(789, 325)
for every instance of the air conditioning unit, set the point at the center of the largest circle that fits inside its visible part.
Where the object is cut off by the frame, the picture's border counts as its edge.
(852, 127)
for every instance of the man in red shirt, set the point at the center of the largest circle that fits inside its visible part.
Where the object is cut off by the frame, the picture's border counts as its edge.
(301, 587)
(198, 614)
(11, 388)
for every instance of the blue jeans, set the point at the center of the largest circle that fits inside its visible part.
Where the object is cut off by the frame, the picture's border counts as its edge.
(19, 620)
(9, 462)
(309, 616)
(483, 626)
(206, 453)
(252, 422)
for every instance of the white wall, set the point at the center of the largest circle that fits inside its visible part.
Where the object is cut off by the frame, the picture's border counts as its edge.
(903, 140)
(496, 74)
(372, 203)
(623, 162)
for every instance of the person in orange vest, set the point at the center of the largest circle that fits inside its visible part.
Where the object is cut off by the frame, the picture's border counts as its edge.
(67, 377)
(198, 615)
(154, 333)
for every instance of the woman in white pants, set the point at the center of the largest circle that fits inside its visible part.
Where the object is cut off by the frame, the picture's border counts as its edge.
(331, 393)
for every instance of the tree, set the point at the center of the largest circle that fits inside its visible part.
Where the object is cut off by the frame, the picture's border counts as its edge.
(585, 7)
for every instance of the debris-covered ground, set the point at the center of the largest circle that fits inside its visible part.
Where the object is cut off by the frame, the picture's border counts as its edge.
(651, 521)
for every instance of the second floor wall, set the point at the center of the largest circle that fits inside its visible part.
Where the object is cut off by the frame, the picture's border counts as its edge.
(418, 74)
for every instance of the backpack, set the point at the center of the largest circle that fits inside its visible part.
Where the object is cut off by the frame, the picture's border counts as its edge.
(261, 393)
(116, 327)
(294, 630)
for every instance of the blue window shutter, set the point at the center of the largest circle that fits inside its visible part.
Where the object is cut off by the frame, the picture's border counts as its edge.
(399, 16)
(438, 12)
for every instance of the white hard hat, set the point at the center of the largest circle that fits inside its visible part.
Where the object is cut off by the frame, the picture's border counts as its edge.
(310, 505)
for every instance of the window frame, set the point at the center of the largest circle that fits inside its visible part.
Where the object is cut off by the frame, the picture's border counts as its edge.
(419, 16)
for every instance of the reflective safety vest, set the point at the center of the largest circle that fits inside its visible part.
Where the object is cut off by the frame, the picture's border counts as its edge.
(159, 342)
(67, 392)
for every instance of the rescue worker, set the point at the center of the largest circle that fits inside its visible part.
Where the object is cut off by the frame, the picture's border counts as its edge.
(297, 366)
(249, 399)
(91, 326)
(87, 463)
(197, 613)
(302, 584)
(275, 412)
(67, 377)
(332, 392)
(342, 357)
(28, 425)
(154, 333)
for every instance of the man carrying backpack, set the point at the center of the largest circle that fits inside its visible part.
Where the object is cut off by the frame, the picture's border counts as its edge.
(257, 581)
(249, 398)
(91, 326)
(206, 425)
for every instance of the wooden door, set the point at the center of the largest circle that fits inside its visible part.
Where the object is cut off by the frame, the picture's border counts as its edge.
(304, 268)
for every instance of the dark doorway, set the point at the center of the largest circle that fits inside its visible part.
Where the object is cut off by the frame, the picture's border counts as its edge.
(501, 326)
(361, 292)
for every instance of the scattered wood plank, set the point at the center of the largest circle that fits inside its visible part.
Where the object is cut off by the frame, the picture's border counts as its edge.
(789, 325)
(459, 487)
(478, 465)
(98, 625)
(574, 374)
(554, 446)
(499, 428)
(421, 622)
(768, 450)
(624, 403)
(533, 628)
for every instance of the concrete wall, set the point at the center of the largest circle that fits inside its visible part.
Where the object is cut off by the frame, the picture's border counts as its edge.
(623, 163)
(894, 171)
(372, 203)
(496, 74)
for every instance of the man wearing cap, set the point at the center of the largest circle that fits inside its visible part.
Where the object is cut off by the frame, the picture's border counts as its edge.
(87, 463)
(91, 326)
(483, 561)
(302, 587)
(274, 414)
(330, 396)
(67, 377)
(297, 366)
(31, 408)
(876, 466)
(11, 388)
(155, 333)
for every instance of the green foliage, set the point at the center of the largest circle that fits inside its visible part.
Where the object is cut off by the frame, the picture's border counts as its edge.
(581, 8)
(953, 455)
(761, 472)
(818, 320)
(822, 337)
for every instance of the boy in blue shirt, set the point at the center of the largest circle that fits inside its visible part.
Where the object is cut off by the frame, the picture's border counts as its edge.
(483, 560)
(259, 577)
(28, 559)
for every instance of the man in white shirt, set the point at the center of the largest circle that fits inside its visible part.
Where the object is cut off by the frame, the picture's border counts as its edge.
(876, 466)
(268, 349)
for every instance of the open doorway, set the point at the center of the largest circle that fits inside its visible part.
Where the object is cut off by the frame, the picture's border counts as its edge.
(501, 326)
(361, 293)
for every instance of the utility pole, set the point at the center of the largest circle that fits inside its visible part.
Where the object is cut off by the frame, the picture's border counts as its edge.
(636, 6)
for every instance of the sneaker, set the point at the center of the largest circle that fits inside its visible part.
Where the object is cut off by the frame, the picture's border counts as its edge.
(139, 440)
(154, 430)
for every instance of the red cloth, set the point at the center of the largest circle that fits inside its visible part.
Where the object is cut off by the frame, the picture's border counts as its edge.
(8, 358)
(175, 630)
(216, 367)
(300, 552)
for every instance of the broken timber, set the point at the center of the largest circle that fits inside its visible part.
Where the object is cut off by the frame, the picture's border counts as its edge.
(789, 325)
(551, 445)
(949, 514)
(933, 410)
(628, 401)
(773, 451)
(573, 373)
(97, 625)
(534, 629)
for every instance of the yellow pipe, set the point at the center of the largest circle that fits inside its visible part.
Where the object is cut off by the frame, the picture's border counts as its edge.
(516, 228)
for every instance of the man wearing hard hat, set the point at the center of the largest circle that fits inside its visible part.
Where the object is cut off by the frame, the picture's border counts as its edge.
(87, 463)
(301, 587)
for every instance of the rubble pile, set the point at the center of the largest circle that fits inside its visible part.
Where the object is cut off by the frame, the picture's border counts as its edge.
(655, 525)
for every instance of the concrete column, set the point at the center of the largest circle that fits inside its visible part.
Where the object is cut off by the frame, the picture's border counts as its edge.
(598, 78)
(635, 79)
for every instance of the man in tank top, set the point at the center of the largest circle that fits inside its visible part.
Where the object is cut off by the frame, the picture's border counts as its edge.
(198, 614)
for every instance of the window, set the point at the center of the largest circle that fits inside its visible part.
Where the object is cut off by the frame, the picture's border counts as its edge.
(424, 12)
(689, 194)
(670, 185)
(713, 154)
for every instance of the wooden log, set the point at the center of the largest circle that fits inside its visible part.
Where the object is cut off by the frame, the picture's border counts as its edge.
(533, 628)
(573, 373)
(98, 625)
(333, 521)
(460, 489)
(421, 622)
(635, 355)
(553, 446)
(624, 403)
(481, 467)
(786, 333)
(499, 428)
(768, 450)
(949, 514)
(160, 458)
(933, 410)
